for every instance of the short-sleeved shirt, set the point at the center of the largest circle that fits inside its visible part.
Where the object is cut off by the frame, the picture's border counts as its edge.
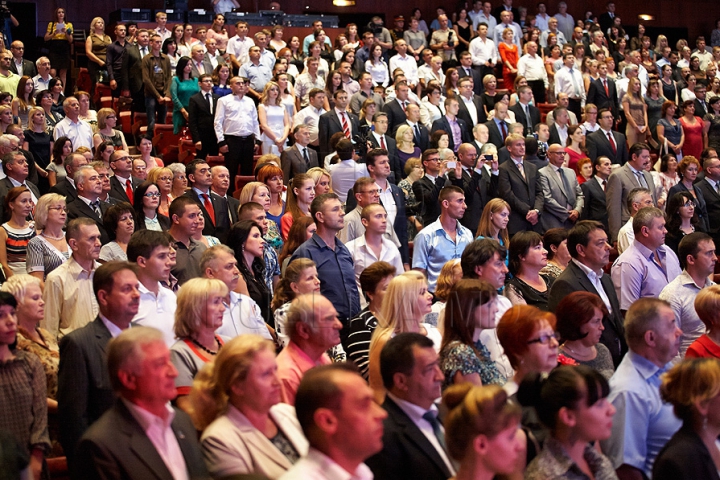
(433, 248)
(458, 357)
(292, 364)
(189, 359)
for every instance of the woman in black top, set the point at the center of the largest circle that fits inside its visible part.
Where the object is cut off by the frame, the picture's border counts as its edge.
(682, 219)
(246, 240)
(527, 258)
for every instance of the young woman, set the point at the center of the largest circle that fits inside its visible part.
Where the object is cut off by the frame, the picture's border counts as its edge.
(96, 49)
(555, 243)
(170, 49)
(682, 219)
(246, 241)
(103, 153)
(146, 202)
(287, 93)
(322, 179)
(527, 258)
(183, 87)
(299, 198)
(490, 95)
(351, 34)
(367, 112)
(669, 87)
(274, 120)
(376, 66)
(40, 143)
(668, 173)
(575, 150)
(44, 100)
(107, 121)
(463, 32)
(654, 102)
(297, 55)
(218, 32)
(187, 41)
(333, 83)
(272, 176)
(301, 231)
(59, 38)
(689, 167)
(299, 278)
(61, 149)
(493, 222)
(145, 148)
(24, 100)
(688, 93)
(554, 54)
(589, 71)
(635, 112)
(49, 249)
(669, 131)
(406, 148)
(339, 44)
(6, 117)
(16, 233)
(450, 89)
(259, 192)
(413, 172)
(162, 177)
(692, 127)
(510, 56)
(119, 221)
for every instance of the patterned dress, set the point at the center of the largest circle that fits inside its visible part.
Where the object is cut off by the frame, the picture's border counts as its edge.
(17, 245)
(459, 357)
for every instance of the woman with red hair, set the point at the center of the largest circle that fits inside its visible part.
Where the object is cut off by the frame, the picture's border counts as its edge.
(272, 176)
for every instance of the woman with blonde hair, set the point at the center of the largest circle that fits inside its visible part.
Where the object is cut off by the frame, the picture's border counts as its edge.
(200, 309)
(493, 222)
(405, 145)
(163, 178)
(413, 172)
(274, 120)
(636, 113)
(404, 307)
(367, 112)
(107, 121)
(323, 180)
(450, 274)
(86, 113)
(49, 249)
(236, 403)
(299, 197)
(96, 50)
(260, 193)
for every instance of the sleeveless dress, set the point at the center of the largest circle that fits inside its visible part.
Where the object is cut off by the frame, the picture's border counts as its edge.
(16, 246)
(276, 121)
(693, 137)
(180, 92)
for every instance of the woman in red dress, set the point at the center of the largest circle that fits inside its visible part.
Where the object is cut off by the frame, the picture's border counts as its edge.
(510, 56)
(693, 128)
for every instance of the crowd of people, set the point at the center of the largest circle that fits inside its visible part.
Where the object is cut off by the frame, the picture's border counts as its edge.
(482, 247)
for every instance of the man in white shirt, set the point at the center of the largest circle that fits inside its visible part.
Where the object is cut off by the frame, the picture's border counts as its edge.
(78, 131)
(532, 67)
(348, 171)
(310, 115)
(414, 440)
(483, 51)
(552, 28)
(406, 63)
(343, 424)
(239, 45)
(161, 20)
(150, 251)
(307, 81)
(637, 198)
(630, 71)
(569, 80)
(42, 79)
(506, 22)
(541, 17)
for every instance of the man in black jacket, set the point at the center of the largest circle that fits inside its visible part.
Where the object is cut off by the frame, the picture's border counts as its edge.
(201, 117)
(427, 189)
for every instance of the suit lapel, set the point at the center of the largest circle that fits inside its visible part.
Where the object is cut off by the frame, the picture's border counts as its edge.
(711, 189)
(143, 447)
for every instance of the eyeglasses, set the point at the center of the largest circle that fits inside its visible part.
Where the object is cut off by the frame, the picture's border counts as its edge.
(152, 195)
(64, 209)
(165, 179)
(689, 203)
(110, 116)
(376, 191)
(543, 339)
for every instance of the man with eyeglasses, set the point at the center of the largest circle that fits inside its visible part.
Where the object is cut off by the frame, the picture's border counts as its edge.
(88, 204)
(19, 65)
(122, 183)
(605, 142)
(104, 174)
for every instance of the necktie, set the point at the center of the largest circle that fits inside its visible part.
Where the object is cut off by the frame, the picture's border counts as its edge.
(430, 417)
(604, 184)
(467, 71)
(129, 191)
(612, 143)
(607, 92)
(522, 170)
(143, 51)
(504, 130)
(208, 99)
(96, 207)
(417, 133)
(209, 207)
(201, 69)
(641, 179)
(576, 88)
(382, 142)
(528, 122)
(305, 156)
(345, 127)
(403, 106)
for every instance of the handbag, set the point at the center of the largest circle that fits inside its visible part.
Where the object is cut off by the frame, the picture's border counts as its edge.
(103, 76)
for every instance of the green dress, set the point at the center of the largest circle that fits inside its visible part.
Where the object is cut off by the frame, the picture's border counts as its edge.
(180, 92)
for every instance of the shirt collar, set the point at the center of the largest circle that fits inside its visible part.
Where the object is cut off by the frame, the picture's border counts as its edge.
(587, 270)
(112, 328)
(147, 419)
(415, 412)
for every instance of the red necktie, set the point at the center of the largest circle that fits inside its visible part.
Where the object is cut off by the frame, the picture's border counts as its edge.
(209, 207)
(129, 191)
(382, 142)
(345, 127)
(612, 143)
(607, 92)
(402, 104)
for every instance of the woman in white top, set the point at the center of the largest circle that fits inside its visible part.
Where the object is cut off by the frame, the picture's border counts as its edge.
(276, 41)
(274, 120)
(314, 50)
(435, 72)
(688, 93)
(377, 68)
(287, 93)
(406, 303)
(188, 41)
(431, 106)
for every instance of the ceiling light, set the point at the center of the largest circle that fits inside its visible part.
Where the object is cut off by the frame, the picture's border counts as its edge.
(646, 17)
(344, 3)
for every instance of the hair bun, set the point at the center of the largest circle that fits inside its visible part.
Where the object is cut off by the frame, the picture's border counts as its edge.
(455, 394)
(528, 394)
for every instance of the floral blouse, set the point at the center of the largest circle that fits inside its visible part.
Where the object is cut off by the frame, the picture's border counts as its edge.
(49, 356)
(458, 357)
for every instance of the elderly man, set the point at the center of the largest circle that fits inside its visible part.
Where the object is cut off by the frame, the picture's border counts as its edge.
(87, 204)
(141, 436)
(42, 79)
(643, 423)
(637, 198)
(313, 327)
(563, 200)
(220, 186)
(66, 186)
(78, 131)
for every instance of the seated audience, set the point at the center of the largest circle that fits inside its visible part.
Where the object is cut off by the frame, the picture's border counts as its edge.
(119, 222)
(527, 258)
(300, 278)
(450, 274)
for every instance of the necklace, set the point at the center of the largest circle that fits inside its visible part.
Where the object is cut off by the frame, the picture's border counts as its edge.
(206, 350)
(52, 238)
(578, 354)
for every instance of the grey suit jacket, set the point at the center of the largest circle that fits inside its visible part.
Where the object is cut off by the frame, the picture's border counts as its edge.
(232, 445)
(293, 162)
(620, 183)
(207, 65)
(557, 196)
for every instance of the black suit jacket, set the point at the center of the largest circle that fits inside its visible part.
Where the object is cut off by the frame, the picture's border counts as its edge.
(464, 113)
(523, 195)
(6, 185)
(520, 117)
(495, 136)
(700, 203)
(422, 141)
(116, 446)
(712, 204)
(427, 193)
(498, 10)
(66, 189)
(443, 124)
(131, 78)
(391, 146)
(573, 279)
(407, 454)
(78, 208)
(201, 124)
(595, 204)
(233, 207)
(117, 190)
(395, 113)
(479, 189)
(293, 162)
(221, 228)
(554, 136)
(596, 95)
(700, 110)
(598, 145)
(605, 21)
(329, 124)
(477, 79)
(84, 390)
(28, 68)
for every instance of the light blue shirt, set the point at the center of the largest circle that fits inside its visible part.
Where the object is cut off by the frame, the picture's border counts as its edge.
(643, 423)
(258, 75)
(433, 248)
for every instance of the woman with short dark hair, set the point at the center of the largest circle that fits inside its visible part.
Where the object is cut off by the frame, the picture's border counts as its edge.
(527, 258)
(119, 221)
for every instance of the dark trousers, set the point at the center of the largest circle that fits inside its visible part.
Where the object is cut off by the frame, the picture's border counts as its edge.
(538, 89)
(239, 155)
(575, 107)
(152, 105)
(209, 144)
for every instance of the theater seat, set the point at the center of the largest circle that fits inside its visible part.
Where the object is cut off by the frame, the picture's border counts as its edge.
(58, 468)
(215, 160)
(240, 182)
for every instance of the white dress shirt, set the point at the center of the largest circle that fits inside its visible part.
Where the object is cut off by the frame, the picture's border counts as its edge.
(575, 89)
(363, 256)
(80, 133)
(240, 48)
(532, 67)
(236, 116)
(242, 316)
(157, 311)
(408, 65)
(595, 279)
(472, 109)
(482, 18)
(24, 184)
(388, 201)
(309, 116)
(318, 466)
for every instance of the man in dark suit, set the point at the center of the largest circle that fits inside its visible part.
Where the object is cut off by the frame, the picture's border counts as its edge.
(131, 81)
(84, 387)
(17, 48)
(519, 185)
(607, 18)
(507, 5)
(465, 69)
(421, 136)
(709, 188)
(378, 138)
(15, 167)
(590, 251)
(411, 375)
(298, 158)
(479, 185)
(332, 122)
(87, 203)
(701, 104)
(220, 186)
(66, 186)
(499, 126)
(561, 123)
(594, 192)
(201, 118)
(599, 144)
(395, 109)
(471, 109)
(213, 207)
(603, 92)
(447, 121)
(122, 183)
(118, 444)
(522, 108)
(427, 189)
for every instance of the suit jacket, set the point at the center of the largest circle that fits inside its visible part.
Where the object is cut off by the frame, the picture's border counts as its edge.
(605, 21)
(464, 113)
(700, 110)
(407, 454)
(620, 182)
(520, 117)
(555, 136)
(479, 189)
(557, 196)
(293, 162)
(573, 279)
(233, 433)
(427, 192)
(395, 113)
(207, 66)
(442, 123)
(329, 124)
(131, 78)
(221, 227)
(596, 95)
(116, 447)
(233, 207)
(422, 141)
(28, 68)
(498, 10)
(598, 145)
(117, 190)
(712, 204)
(201, 123)
(700, 203)
(523, 195)
(495, 136)
(78, 208)
(66, 189)
(477, 79)
(84, 390)
(595, 205)
(6, 185)
(391, 147)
